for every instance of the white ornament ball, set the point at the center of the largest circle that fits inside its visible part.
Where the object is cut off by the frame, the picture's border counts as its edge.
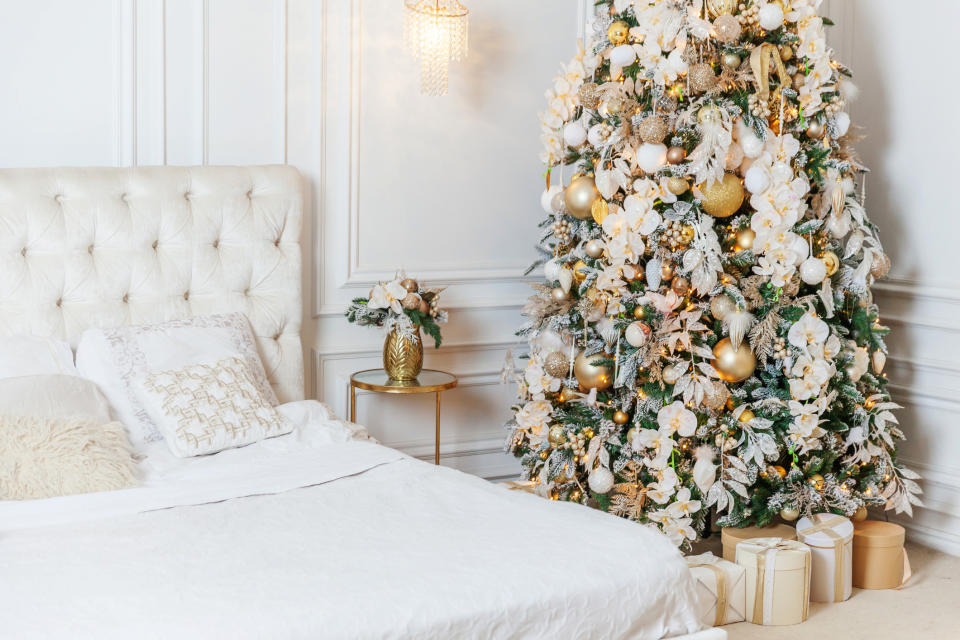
(813, 271)
(600, 480)
(549, 341)
(838, 226)
(594, 248)
(636, 334)
(622, 56)
(771, 16)
(652, 157)
(546, 200)
(752, 145)
(757, 180)
(575, 134)
(551, 270)
(843, 123)
(558, 204)
(721, 306)
(734, 157)
(596, 135)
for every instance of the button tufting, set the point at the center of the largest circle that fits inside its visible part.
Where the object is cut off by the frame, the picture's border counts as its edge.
(276, 242)
(126, 298)
(58, 198)
(59, 302)
(216, 243)
(249, 194)
(186, 195)
(23, 252)
(90, 249)
(276, 336)
(186, 295)
(246, 291)
(123, 197)
(155, 244)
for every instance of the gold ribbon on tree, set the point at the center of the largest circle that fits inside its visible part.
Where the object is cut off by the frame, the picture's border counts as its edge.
(824, 523)
(720, 614)
(760, 63)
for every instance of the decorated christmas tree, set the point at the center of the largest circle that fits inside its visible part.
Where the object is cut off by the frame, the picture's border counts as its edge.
(706, 340)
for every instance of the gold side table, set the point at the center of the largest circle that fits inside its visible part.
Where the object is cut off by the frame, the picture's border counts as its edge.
(377, 380)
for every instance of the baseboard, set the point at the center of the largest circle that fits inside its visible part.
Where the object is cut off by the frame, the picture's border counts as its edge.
(937, 539)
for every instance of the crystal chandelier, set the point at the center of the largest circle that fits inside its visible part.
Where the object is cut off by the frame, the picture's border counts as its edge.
(435, 32)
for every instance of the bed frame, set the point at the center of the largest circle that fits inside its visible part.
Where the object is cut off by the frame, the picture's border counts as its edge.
(104, 247)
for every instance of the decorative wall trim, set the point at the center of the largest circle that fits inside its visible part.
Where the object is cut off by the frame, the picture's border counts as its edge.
(125, 67)
(280, 48)
(911, 289)
(205, 84)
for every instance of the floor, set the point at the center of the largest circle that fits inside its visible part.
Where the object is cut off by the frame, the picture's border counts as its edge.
(928, 607)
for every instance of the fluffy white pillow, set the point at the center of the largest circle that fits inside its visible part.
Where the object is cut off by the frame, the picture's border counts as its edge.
(53, 396)
(118, 360)
(48, 457)
(205, 408)
(32, 356)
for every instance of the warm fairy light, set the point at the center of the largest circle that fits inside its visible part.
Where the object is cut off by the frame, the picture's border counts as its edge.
(869, 404)
(435, 32)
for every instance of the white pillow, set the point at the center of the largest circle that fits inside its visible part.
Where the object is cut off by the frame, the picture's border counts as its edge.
(52, 397)
(32, 356)
(205, 408)
(118, 360)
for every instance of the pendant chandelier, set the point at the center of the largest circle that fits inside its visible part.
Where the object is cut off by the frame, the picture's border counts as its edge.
(435, 32)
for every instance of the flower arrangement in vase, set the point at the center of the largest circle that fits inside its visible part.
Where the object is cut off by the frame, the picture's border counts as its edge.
(402, 307)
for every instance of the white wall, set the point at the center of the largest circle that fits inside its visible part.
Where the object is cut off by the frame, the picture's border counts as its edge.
(447, 188)
(907, 113)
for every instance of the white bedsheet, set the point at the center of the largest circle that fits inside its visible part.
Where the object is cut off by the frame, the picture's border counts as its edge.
(377, 545)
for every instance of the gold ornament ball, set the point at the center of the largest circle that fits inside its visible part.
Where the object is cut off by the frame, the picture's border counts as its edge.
(831, 261)
(745, 238)
(411, 301)
(559, 295)
(709, 113)
(618, 32)
(579, 197)
(653, 130)
(544, 455)
(687, 234)
(730, 60)
(557, 365)
(789, 514)
(676, 155)
(815, 130)
(721, 306)
(667, 270)
(580, 271)
(424, 306)
(722, 198)
(701, 77)
(733, 365)
(728, 30)
(588, 433)
(594, 249)
(639, 313)
(718, 8)
(677, 186)
(680, 285)
(614, 105)
(816, 481)
(410, 285)
(591, 376)
(799, 79)
(747, 415)
(786, 52)
(621, 418)
(780, 471)
(860, 515)
(881, 266)
(670, 376)
(556, 436)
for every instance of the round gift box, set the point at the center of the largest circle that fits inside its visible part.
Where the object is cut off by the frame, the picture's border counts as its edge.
(877, 555)
(830, 538)
(778, 585)
(730, 536)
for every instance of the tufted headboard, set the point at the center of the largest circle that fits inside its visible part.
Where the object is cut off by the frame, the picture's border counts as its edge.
(104, 247)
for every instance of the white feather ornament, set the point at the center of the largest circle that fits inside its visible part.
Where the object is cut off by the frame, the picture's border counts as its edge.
(737, 325)
(704, 471)
(654, 274)
(709, 160)
(566, 278)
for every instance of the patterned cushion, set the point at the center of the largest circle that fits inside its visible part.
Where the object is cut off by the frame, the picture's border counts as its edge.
(205, 408)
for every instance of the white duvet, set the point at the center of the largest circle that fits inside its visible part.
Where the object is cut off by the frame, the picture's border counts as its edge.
(315, 535)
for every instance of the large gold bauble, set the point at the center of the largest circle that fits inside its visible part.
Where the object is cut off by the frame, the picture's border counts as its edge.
(580, 271)
(722, 198)
(618, 32)
(816, 481)
(831, 261)
(701, 77)
(733, 365)
(721, 7)
(680, 286)
(579, 197)
(590, 376)
(653, 130)
(556, 436)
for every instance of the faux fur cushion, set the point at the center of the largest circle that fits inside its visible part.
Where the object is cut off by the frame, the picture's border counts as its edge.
(49, 457)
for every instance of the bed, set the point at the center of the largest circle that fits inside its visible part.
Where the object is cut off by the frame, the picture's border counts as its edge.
(320, 533)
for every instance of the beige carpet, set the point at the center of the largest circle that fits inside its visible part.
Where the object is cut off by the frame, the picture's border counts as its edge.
(927, 607)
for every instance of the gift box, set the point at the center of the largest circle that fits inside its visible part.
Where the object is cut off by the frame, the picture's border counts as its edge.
(730, 536)
(830, 538)
(777, 580)
(721, 589)
(879, 560)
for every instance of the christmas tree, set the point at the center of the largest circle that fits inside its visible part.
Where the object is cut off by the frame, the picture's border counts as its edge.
(706, 339)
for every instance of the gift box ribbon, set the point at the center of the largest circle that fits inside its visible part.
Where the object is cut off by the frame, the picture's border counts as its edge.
(720, 614)
(766, 576)
(825, 524)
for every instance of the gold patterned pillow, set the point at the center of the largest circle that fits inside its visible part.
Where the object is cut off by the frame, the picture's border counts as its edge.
(205, 408)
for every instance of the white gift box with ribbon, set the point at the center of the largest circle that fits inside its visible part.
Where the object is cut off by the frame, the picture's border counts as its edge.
(777, 580)
(721, 589)
(830, 538)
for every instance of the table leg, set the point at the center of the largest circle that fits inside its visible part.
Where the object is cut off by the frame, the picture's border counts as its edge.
(436, 455)
(353, 403)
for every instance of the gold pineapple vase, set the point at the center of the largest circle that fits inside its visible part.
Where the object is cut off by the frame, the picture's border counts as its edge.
(402, 357)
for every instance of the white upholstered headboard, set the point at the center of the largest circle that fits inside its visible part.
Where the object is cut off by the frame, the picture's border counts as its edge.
(103, 247)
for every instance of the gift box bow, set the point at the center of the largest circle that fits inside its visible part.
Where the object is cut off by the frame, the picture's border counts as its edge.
(766, 563)
(825, 523)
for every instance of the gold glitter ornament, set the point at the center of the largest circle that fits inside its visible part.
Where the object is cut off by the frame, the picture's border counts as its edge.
(831, 261)
(881, 266)
(557, 365)
(701, 77)
(733, 365)
(580, 196)
(410, 285)
(590, 95)
(557, 435)
(618, 32)
(653, 130)
(721, 306)
(728, 30)
(677, 186)
(722, 198)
